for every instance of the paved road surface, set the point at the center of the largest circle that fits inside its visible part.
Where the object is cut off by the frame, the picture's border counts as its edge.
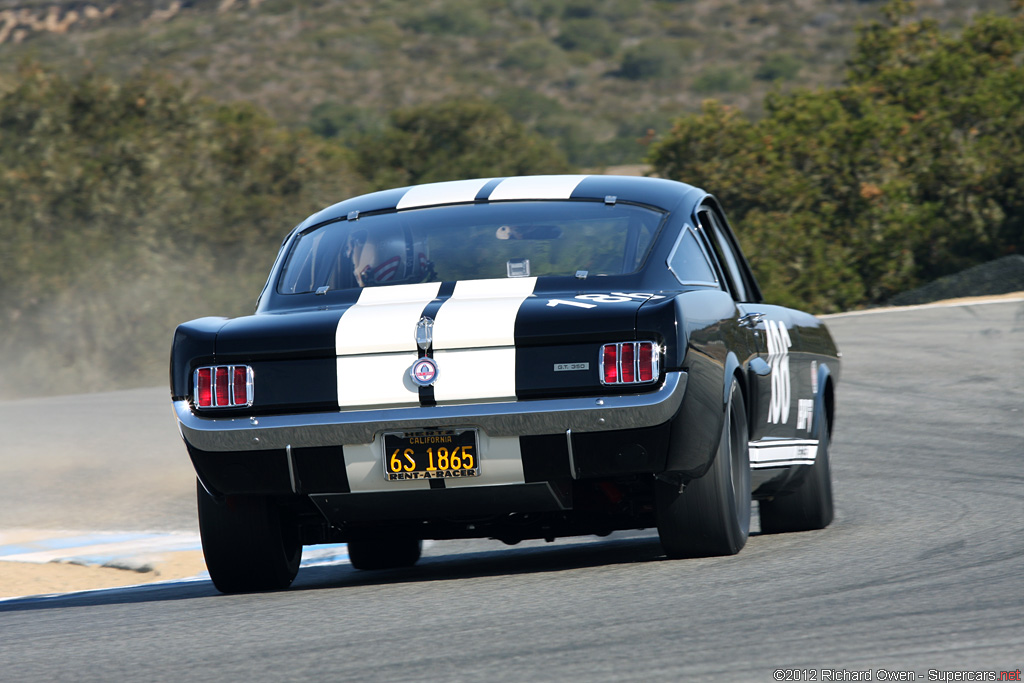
(922, 570)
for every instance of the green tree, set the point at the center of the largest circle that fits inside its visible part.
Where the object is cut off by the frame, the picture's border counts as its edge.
(131, 207)
(911, 170)
(452, 140)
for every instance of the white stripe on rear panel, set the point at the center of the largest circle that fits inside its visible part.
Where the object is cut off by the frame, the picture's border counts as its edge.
(475, 375)
(432, 194)
(783, 452)
(474, 339)
(501, 462)
(384, 319)
(481, 313)
(377, 380)
(536, 187)
(364, 466)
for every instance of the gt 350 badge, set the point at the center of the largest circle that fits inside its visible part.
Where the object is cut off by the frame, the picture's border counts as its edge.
(424, 372)
(565, 367)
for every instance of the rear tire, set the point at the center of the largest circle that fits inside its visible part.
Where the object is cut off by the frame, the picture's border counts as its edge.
(249, 544)
(384, 553)
(810, 506)
(712, 515)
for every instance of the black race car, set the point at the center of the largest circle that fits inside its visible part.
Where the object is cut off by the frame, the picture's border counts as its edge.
(513, 358)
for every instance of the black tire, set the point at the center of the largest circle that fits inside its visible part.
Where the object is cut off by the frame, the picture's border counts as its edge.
(712, 515)
(810, 505)
(248, 542)
(384, 553)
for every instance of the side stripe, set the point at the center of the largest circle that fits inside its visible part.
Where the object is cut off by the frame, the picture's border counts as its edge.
(782, 452)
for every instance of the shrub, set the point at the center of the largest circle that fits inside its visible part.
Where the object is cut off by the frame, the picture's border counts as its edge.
(719, 79)
(534, 55)
(451, 140)
(649, 60)
(778, 67)
(591, 36)
(911, 170)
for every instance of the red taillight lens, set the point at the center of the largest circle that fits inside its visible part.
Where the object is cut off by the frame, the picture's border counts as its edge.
(223, 386)
(239, 393)
(204, 387)
(645, 362)
(629, 363)
(627, 357)
(609, 363)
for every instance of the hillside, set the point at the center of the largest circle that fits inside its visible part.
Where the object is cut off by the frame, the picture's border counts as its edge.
(152, 155)
(597, 75)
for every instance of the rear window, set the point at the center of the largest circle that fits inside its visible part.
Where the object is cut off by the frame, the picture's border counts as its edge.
(472, 242)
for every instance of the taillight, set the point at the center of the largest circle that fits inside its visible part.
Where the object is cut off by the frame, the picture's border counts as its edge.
(223, 386)
(646, 362)
(204, 387)
(609, 364)
(629, 363)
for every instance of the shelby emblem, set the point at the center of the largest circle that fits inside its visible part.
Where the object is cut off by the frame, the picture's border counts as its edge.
(424, 370)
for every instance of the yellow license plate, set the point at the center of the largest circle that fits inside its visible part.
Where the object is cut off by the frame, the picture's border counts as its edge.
(435, 454)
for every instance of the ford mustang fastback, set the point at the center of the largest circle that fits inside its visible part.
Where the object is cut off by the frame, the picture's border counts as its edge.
(509, 358)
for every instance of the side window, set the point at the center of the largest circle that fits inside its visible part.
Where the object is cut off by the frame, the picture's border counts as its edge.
(689, 263)
(726, 254)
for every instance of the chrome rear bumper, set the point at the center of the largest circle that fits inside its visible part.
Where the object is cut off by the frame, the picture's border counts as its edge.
(509, 418)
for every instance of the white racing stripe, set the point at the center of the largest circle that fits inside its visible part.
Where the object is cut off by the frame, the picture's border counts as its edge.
(536, 187)
(481, 313)
(501, 462)
(376, 345)
(383, 320)
(783, 452)
(433, 194)
(377, 380)
(509, 189)
(364, 466)
(475, 375)
(474, 339)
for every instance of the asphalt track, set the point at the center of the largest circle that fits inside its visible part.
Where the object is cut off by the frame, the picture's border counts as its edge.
(923, 569)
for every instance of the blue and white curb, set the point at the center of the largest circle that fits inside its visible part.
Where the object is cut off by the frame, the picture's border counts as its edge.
(118, 549)
(124, 549)
(137, 551)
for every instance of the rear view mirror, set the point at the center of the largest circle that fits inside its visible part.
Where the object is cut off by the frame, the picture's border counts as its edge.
(528, 232)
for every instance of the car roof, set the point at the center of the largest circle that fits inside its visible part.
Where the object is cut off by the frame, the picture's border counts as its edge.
(669, 195)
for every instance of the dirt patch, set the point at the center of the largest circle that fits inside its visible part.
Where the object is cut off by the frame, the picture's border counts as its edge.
(962, 301)
(978, 299)
(28, 578)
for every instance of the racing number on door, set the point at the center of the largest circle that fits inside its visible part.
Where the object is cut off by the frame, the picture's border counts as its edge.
(778, 358)
(591, 300)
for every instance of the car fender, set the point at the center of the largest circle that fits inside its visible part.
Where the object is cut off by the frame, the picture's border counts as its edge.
(824, 401)
(697, 428)
(192, 340)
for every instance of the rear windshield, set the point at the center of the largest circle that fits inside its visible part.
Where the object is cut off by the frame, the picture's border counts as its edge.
(472, 242)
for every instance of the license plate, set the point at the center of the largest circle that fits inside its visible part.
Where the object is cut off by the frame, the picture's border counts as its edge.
(437, 454)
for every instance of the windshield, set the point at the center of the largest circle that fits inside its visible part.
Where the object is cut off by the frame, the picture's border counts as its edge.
(472, 242)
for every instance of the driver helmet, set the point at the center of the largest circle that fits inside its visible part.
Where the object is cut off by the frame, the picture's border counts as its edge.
(389, 255)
